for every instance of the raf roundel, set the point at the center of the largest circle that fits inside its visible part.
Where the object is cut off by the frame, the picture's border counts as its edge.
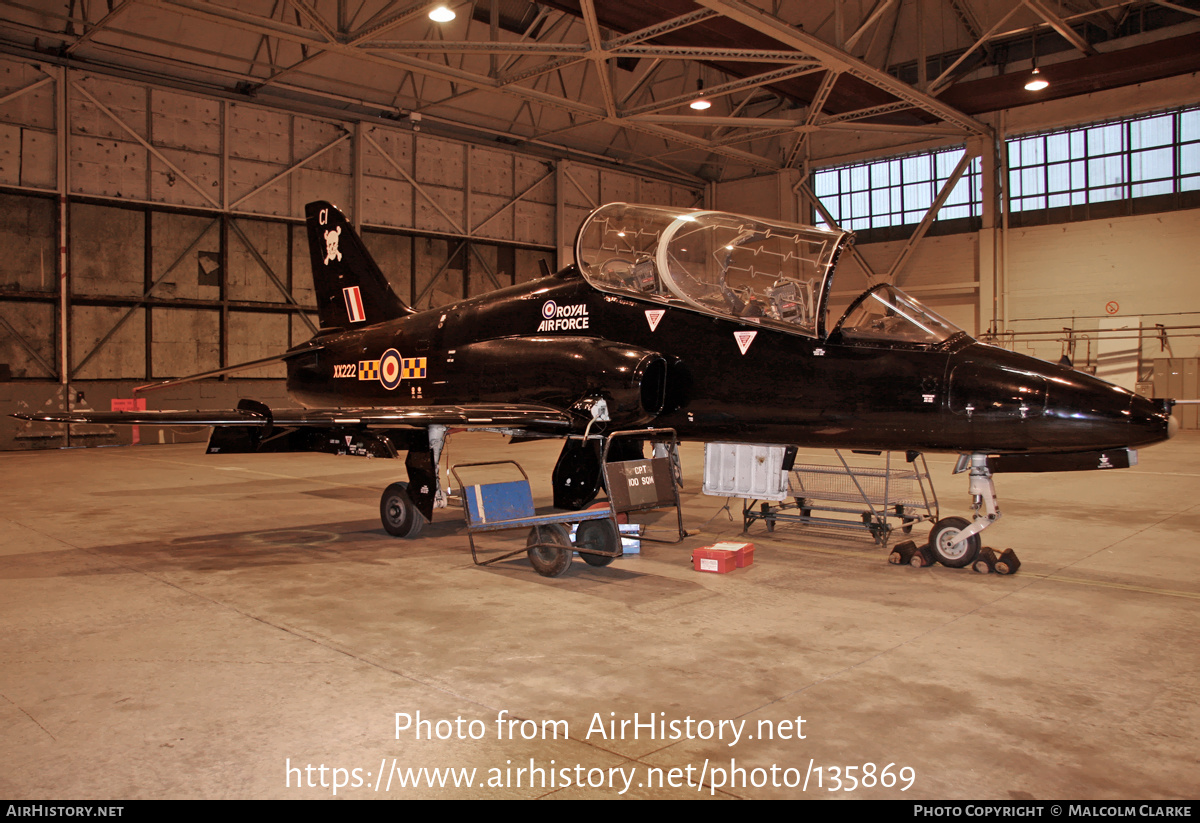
(548, 309)
(390, 372)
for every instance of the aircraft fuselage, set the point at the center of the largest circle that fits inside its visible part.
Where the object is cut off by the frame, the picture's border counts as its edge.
(559, 340)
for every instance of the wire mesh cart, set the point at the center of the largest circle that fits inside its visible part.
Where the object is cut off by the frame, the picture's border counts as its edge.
(895, 494)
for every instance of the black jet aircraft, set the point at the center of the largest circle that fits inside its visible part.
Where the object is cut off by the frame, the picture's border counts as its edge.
(709, 323)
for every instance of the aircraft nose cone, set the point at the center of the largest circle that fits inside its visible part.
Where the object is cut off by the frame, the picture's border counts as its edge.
(1152, 419)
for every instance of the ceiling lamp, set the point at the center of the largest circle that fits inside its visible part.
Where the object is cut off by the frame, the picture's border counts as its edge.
(1035, 82)
(441, 14)
(700, 105)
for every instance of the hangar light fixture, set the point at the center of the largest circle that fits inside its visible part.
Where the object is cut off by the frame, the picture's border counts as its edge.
(700, 105)
(442, 14)
(1035, 82)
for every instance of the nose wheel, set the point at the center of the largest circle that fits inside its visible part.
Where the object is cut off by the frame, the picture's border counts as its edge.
(949, 547)
(954, 541)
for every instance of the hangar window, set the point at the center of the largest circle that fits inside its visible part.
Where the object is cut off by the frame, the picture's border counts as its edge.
(1138, 164)
(898, 191)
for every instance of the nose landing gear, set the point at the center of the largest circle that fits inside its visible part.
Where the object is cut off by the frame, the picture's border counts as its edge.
(953, 541)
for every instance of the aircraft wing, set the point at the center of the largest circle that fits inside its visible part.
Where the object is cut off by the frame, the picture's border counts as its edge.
(508, 416)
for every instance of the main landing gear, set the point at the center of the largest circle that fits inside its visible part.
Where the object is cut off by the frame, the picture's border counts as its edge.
(400, 516)
(406, 507)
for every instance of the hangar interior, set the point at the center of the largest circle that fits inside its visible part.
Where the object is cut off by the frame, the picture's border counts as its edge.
(181, 626)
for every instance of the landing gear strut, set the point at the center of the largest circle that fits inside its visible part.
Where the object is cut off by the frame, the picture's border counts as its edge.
(953, 541)
(405, 508)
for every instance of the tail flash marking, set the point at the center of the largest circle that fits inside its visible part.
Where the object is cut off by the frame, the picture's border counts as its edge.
(354, 304)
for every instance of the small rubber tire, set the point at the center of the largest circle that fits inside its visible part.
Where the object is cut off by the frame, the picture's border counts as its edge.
(942, 537)
(400, 516)
(600, 535)
(553, 557)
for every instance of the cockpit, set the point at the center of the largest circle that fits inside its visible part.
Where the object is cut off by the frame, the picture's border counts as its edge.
(885, 314)
(759, 271)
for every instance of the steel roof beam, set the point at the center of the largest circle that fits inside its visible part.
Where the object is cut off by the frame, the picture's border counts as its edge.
(871, 19)
(732, 86)
(833, 58)
(659, 29)
(99, 25)
(1073, 37)
(598, 59)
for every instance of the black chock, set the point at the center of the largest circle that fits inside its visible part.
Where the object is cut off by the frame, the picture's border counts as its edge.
(985, 561)
(903, 553)
(1008, 562)
(923, 556)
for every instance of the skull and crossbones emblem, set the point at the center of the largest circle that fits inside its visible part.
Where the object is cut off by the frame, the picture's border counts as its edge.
(331, 245)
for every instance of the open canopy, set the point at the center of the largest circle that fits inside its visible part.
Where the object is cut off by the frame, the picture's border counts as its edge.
(776, 274)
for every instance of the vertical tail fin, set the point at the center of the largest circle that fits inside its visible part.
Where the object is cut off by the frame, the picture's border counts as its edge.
(351, 290)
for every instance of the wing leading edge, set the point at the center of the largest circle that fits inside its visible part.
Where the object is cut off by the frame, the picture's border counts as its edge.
(532, 418)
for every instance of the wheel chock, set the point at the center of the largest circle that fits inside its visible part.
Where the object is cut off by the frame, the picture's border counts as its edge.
(1008, 562)
(986, 561)
(902, 555)
(923, 556)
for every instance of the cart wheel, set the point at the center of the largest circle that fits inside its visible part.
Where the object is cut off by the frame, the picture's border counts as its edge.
(554, 555)
(400, 516)
(905, 520)
(943, 535)
(600, 535)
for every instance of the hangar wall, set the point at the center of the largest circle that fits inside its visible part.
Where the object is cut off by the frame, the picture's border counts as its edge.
(179, 218)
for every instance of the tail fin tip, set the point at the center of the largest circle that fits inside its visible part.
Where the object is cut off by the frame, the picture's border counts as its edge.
(351, 290)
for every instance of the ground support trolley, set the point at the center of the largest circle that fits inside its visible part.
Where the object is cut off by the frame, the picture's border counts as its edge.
(881, 498)
(645, 484)
(492, 507)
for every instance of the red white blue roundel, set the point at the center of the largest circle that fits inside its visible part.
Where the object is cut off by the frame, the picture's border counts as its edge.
(390, 370)
(548, 309)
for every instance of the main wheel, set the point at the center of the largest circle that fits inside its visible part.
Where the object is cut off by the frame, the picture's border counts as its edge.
(600, 535)
(554, 555)
(400, 516)
(941, 540)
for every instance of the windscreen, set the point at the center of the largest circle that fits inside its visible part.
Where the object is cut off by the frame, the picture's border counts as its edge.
(887, 315)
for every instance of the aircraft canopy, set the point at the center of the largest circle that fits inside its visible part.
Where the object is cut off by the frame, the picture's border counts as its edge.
(776, 274)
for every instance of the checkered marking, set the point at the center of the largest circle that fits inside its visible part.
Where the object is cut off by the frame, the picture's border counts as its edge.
(414, 368)
(391, 368)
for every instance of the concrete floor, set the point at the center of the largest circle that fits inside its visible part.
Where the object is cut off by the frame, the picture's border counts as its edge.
(176, 625)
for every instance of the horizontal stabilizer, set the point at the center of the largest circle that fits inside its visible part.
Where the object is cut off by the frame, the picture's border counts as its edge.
(252, 364)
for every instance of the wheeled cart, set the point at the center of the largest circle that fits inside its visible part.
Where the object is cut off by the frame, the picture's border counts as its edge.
(491, 507)
(879, 498)
(634, 486)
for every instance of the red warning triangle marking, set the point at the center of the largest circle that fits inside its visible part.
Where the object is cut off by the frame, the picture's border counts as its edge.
(744, 339)
(653, 316)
